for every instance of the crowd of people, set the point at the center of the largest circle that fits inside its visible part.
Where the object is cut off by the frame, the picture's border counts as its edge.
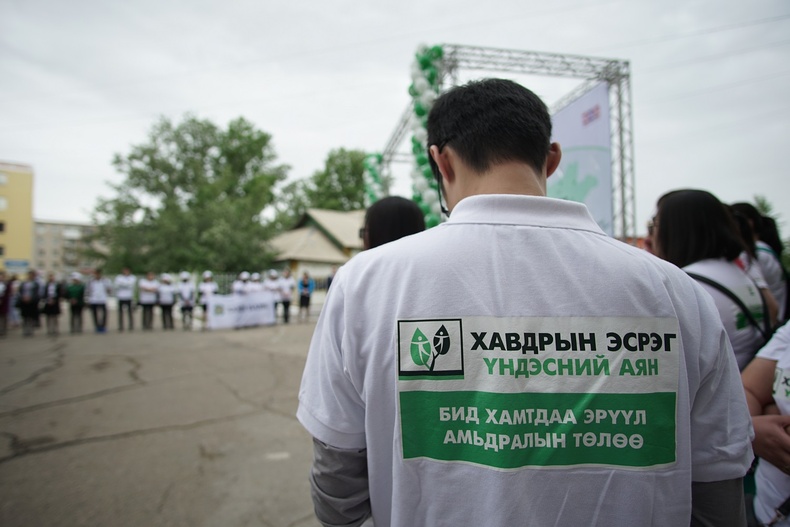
(24, 303)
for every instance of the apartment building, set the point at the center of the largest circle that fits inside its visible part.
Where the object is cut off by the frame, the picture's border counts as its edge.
(16, 217)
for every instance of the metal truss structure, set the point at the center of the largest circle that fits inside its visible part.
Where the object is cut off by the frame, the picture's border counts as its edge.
(616, 73)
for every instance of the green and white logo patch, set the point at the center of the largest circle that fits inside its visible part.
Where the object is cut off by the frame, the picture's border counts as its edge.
(430, 349)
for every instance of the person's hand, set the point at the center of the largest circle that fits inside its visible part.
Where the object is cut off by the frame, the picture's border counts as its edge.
(771, 440)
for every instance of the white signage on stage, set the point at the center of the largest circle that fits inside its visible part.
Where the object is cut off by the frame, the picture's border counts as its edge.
(585, 172)
(238, 311)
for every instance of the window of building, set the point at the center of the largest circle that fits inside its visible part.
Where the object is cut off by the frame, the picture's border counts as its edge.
(3, 179)
(3, 203)
(2, 226)
(2, 250)
(41, 229)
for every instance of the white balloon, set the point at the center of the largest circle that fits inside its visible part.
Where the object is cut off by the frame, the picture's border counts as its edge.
(421, 184)
(421, 134)
(428, 97)
(430, 197)
(421, 85)
(436, 208)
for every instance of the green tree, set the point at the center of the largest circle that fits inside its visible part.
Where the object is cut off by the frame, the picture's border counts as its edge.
(290, 205)
(191, 199)
(340, 185)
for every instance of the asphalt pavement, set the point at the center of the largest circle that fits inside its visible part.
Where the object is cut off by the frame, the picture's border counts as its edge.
(159, 428)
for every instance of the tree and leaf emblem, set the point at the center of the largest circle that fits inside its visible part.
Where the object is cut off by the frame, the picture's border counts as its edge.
(422, 353)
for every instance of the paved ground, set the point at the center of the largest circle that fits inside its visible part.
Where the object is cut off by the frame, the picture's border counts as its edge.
(154, 429)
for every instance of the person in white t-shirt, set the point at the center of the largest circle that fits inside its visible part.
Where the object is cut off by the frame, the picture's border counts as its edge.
(97, 291)
(767, 259)
(206, 289)
(286, 285)
(124, 292)
(240, 285)
(767, 383)
(147, 297)
(187, 297)
(514, 365)
(272, 284)
(167, 299)
(255, 285)
(696, 232)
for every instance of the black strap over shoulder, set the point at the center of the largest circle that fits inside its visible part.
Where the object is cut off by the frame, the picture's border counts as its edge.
(765, 331)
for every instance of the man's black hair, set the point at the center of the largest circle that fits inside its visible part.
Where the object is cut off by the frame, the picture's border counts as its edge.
(694, 225)
(491, 121)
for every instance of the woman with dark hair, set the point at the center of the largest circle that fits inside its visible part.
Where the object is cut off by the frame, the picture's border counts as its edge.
(696, 232)
(767, 259)
(390, 219)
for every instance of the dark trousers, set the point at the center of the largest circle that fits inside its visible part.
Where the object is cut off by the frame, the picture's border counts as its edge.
(286, 309)
(186, 316)
(167, 316)
(28, 324)
(148, 316)
(99, 316)
(127, 306)
(75, 322)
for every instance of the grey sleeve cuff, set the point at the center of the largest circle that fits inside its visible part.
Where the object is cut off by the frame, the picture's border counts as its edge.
(718, 504)
(339, 486)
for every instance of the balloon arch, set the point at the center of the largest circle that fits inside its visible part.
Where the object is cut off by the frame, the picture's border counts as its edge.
(433, 65)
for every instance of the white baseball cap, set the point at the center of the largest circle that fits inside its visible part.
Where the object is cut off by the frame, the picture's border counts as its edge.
(244, 275)
(207, 274)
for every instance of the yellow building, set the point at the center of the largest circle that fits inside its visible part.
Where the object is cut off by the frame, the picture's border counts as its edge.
(16, 217)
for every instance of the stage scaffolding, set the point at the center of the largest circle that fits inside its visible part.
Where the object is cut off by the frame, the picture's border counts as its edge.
(593, 70)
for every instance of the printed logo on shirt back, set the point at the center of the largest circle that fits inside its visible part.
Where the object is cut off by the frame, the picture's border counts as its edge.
(439, 356)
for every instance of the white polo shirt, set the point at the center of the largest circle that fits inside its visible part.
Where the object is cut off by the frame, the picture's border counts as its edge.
(206, 290)
(773, 485)
(98, 290)
(774, 276)
(515, 366)
(124, 286)
(744, 337)
(149, 291)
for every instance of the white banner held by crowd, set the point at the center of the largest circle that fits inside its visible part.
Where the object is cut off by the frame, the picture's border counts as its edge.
(238, 311)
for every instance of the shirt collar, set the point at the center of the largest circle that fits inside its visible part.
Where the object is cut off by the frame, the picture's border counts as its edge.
(515, 209)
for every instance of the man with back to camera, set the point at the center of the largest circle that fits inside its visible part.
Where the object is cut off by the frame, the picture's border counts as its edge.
(516, 366)
(124, 291)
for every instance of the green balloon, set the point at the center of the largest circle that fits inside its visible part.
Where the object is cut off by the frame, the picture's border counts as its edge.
(416, 197)
(412, 90)
(422, 159)
(431, 220)
(436, 52)
(424, 60)
(427, 172)
(419, 109)
(425, 208)
(431, 74)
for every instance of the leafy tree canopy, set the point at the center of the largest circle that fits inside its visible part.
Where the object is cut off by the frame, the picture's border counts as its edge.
(340, 185)
(191, 199)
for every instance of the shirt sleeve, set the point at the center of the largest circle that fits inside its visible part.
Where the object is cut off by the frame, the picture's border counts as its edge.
(330, 407)
(721, 429)
(778, 346)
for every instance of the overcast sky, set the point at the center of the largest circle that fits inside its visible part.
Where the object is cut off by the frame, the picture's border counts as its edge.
(85, 79)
